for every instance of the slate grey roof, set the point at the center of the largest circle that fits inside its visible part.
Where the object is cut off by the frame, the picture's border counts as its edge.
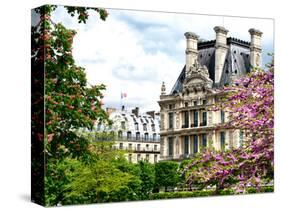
(131, 120)
(237, 61)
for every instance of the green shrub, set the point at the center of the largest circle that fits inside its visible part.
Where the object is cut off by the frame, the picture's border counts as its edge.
(204, 193)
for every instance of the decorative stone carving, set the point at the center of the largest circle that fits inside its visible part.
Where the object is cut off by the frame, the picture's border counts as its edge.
(163, 89)
(258, 59)
(162, 121)
(197, 78)
(177, 120)
(210, 118)
(177, 145)
(198, 69)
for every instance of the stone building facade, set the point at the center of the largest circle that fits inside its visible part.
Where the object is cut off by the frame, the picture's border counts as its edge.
(187, 124)
(137, 134)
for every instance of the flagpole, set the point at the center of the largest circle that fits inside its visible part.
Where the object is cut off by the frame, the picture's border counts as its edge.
(121, 100)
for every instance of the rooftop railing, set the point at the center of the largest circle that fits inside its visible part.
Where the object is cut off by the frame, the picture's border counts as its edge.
(138, 149)
(138, 139)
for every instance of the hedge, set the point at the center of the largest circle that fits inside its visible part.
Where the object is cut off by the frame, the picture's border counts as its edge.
(204, 193)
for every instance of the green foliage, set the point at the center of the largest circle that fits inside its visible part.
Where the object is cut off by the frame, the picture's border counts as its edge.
(83, 12)
(166, 174)
(147, 177)
(69, 102)
(203, 193)
(182, 194)
(95, 181)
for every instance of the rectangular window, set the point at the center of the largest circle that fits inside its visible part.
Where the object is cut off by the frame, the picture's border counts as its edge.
(137, 136)
(120, 145)
(120, 134)
(204, 118)
(129, 135)
(130, 146)
(171, 120)
(144, 127)
(147, 157)
(123, 125)
(186, 119)
(222, 116)
(146, 136)
(195, 118)
(195, 144)
(138, 147)
(204, 140)
(130, 158)
(155, 158)
(171, 149)
(147, 146)
(195, 103)
(222, 137)
(186, 145)
(154, 137)
(204, 101)
(155, 147)
(138, 157)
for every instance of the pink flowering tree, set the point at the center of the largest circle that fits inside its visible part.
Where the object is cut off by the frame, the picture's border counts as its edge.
(249, 105)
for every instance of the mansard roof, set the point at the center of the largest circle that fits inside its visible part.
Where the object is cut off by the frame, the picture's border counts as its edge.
(237, 61)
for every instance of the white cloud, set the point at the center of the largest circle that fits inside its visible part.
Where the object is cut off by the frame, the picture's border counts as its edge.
(135, 51)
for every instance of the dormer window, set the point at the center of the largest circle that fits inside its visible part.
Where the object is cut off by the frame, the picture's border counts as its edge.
(153, 127)
(136, 126)
(144, 127)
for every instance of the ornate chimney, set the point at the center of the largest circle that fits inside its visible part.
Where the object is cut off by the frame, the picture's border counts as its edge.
(221, 51)
(255, 47)
(191, 50)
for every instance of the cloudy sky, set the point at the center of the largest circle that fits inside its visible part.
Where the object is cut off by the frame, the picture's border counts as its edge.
(134, 51)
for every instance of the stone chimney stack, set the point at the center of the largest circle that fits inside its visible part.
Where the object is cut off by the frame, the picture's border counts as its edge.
(255, 47)
(136, 111)
(221, 50)
(191, 50)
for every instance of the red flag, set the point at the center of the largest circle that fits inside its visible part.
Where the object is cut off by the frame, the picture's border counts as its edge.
(123, 95)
